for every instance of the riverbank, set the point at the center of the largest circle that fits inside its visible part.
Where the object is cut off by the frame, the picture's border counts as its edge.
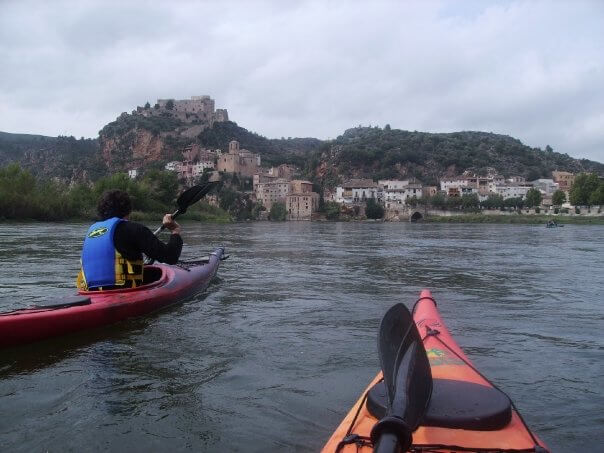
(215, 215)
(530, 219)
(201, 213)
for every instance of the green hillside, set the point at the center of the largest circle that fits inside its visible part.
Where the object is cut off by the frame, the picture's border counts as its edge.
(47, 157)
(273, 151)
(391, 153)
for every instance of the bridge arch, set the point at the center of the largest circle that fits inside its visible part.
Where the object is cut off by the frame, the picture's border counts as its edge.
(416, 217)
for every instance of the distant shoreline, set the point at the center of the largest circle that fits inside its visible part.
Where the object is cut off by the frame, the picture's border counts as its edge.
(531, 219)
(519, 219)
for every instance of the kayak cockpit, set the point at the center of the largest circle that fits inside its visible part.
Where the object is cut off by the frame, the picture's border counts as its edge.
(454, 404)
(153, 276)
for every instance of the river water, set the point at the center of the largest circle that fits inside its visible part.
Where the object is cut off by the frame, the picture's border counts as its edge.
(276, 351)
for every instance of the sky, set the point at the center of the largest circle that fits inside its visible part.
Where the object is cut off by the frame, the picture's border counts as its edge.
(533, 70)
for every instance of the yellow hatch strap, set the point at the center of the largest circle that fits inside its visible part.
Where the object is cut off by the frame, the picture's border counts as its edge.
(81, 281)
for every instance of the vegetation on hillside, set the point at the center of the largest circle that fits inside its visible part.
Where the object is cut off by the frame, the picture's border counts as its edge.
(154, 124)
(378, 153)
(272, 151)
(66, 158)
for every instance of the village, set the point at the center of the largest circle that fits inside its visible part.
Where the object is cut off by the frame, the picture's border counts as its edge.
(399, 198)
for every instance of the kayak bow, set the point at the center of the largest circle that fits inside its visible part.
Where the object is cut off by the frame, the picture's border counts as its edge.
(466, 412)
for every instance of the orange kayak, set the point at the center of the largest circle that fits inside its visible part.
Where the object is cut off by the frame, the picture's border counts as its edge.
(466, 411)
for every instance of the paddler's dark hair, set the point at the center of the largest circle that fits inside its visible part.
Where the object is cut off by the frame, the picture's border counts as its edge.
(114, 203)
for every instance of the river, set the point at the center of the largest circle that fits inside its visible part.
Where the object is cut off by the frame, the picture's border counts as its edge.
(276, 351)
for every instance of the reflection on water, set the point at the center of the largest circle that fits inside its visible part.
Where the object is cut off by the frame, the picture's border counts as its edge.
(273, 355)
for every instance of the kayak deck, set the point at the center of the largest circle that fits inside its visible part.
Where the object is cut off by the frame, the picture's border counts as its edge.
(466, 411)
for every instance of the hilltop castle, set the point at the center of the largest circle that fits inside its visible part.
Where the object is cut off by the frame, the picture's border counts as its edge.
(201, 106)
(198, 111)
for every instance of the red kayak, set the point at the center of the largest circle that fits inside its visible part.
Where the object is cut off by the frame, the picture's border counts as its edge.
(91, 309)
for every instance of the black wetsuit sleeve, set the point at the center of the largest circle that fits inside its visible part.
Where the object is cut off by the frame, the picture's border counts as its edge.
(132, 239)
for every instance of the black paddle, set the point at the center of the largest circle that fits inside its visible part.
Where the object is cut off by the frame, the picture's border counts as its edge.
(407, 378)
(186, 199)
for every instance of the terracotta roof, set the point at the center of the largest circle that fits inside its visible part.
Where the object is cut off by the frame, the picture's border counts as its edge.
(359, 183)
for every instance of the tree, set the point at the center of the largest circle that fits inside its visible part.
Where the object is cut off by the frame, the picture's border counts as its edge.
(470, 202)
(438, 201)
(584, 185)
(278, 212)
(373, 210)
(533, 197)
(597, 196)
(147, 105)
(161, 185)
(258, 208)
(533, 174)
(493, 202)
(516, 202)
(332, 210)
(454, 202)
(558, 197)
(170, 104)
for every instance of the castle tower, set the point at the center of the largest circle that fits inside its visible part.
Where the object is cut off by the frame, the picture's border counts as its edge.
(233, 147)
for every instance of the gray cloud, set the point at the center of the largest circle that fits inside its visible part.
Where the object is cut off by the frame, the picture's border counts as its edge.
(533, 70)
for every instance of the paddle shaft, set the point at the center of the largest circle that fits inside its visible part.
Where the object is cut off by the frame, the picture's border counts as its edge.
(162, 227)
(388, 443)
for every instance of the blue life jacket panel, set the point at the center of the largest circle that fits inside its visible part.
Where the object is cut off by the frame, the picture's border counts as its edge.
(99, 254)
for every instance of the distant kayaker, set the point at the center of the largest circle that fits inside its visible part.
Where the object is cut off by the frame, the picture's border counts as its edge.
(112, 256)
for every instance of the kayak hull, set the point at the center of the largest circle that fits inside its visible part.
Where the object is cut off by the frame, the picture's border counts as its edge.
(447, 362)
(107, 307)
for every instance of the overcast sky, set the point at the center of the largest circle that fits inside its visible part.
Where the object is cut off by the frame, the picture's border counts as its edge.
(530, 69)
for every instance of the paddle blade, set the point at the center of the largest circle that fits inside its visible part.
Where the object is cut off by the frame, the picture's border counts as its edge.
(407, 378)
(193, 195)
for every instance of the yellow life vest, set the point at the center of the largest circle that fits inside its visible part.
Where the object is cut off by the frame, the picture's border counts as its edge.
(128, 274)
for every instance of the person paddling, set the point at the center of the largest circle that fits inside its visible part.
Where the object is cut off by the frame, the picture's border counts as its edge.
(112, 255)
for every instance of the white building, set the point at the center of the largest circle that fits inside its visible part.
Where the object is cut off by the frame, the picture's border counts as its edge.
(357, 190)
(394, 198)
(133, 173)
(173, 166)
(516, 180)
(452, 183)
(546, 186)
(199, 167)
(512, 191)
(389, 184)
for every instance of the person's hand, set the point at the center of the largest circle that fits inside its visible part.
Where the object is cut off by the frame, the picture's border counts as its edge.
(170, 224)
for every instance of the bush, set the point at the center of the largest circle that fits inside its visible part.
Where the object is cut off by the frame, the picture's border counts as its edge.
(373, 210)
(278, 212)
(332, 210)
